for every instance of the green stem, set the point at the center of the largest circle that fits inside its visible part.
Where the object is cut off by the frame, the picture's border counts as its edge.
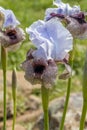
(14, 85)
(45, 101)
(84, 90)
(84, 109)
(68, 93)
(14, 116)
(3, 61)
(66, 104)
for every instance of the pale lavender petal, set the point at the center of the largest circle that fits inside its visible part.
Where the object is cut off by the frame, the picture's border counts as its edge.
(43, 51)
(61, 39)
(63, 9)
(75, 10)
(58, 3)
(52, 38)
(48, 13)
(10, 19)
(34, 34)
(66, 9)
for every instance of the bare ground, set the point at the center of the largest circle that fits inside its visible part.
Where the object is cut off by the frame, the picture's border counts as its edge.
(28, 105)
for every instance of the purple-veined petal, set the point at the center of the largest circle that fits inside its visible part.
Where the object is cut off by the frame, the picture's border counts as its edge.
(10, 19)
(52, 39)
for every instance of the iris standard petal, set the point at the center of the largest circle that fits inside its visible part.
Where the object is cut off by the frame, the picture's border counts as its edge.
(52, 38)
(66, 8)
(48, 13)
(63, 9)
(10, 19)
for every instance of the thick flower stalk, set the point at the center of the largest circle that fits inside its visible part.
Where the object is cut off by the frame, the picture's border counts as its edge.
(53, 42)
(10, 36)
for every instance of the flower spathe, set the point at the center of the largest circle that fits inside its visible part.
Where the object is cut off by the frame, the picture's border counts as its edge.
(11, 35)
(52, 39)
(53, 42)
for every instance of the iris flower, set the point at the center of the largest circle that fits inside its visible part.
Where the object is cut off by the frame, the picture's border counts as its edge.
(10, 34)
(62, 10)
(9, 18)
(53, 42)
(73, 17)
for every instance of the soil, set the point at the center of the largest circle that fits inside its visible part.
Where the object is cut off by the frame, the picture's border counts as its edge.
(56, 108)
(29, 109)
(28, 105)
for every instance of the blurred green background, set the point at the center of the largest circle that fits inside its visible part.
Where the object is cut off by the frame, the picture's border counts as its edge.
(28, 11)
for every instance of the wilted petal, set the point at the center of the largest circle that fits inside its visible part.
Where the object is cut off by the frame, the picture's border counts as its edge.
(67, 72)
(12, 37)
(10, 19)
(51, 38)
(29, 54)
